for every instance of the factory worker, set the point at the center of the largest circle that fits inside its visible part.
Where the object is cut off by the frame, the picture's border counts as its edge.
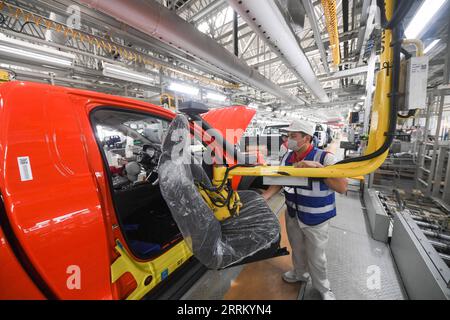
(309, 209)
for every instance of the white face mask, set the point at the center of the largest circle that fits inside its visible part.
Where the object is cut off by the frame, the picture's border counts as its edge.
(150, 152)
(293, 145)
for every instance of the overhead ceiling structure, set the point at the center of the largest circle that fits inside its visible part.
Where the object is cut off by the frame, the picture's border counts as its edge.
(266, 20)
(162, 23)
(274, 53)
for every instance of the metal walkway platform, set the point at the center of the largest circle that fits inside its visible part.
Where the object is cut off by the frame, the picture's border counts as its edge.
(358, 266)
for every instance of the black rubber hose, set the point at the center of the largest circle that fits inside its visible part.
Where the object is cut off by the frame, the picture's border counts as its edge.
(406, 53)
(411, 113)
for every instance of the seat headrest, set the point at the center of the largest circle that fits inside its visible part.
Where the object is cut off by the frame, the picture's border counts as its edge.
(177, 140)
(192, 108)
(154, 133)
(133, 169)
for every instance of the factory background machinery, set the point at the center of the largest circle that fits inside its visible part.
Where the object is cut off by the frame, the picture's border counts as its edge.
(372, 76)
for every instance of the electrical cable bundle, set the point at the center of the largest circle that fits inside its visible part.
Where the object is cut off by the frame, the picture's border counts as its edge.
(401, 10)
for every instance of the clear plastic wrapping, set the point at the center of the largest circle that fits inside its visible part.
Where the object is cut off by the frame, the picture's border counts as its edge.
(215, 244)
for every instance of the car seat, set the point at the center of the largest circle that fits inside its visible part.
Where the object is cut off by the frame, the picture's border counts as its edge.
(216, 244)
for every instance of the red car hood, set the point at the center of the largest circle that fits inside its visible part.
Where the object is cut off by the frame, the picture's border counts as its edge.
(230, 118)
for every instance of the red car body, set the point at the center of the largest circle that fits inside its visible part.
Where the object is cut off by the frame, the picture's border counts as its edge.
(64, 215)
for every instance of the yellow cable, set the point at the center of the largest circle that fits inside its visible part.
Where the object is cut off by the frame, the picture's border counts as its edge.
(329, 9)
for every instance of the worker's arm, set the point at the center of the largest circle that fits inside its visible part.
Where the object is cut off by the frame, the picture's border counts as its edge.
(337, 184)
(270, 192)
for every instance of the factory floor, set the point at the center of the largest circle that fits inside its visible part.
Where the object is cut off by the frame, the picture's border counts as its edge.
(358, 266)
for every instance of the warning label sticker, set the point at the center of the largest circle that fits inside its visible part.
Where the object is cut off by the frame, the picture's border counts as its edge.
(25, 168)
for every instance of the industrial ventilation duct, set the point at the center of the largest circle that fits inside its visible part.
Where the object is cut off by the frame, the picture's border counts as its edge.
(163, 24)
(266, 19)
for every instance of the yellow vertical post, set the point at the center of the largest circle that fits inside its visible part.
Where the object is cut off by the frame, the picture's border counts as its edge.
(382, 102)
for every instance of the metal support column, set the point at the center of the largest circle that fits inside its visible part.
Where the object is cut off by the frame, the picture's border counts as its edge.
(161, 80)
(436, 143)
(446, 191)
(447, 58)
(369, 90)
(422, 152)
(441, 157)
(235, 34)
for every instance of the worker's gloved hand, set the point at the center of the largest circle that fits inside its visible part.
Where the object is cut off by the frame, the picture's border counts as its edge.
(308, 164)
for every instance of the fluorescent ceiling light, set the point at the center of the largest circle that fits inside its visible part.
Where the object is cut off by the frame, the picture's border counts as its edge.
(14, 49)
(431, 46)
(422, 18)
(216, 96)
(178, 87)
(117, 72)
(253, 105)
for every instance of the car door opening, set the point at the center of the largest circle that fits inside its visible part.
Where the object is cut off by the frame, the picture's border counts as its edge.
(131, 146)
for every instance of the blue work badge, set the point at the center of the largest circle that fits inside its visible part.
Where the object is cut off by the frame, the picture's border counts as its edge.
(164, 274)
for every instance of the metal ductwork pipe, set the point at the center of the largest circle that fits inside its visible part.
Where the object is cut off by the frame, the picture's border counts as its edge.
(266, 19)
(163, 24)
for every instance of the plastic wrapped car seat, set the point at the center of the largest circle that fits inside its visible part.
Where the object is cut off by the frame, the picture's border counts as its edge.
(216, 244)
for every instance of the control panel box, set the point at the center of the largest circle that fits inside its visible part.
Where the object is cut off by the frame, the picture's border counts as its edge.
(416, 83)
